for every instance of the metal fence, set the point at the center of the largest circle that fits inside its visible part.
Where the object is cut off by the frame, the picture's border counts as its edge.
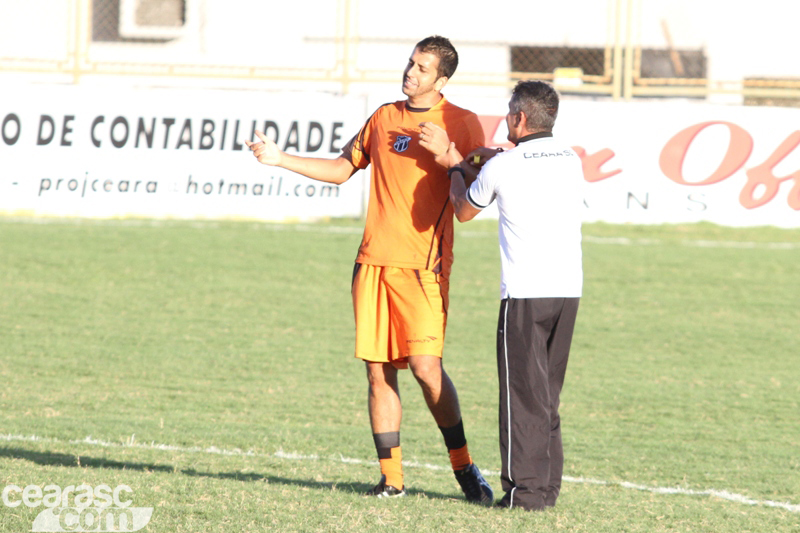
(634, 51)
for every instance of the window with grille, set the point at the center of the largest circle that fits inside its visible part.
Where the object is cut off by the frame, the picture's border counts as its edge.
(654, 63)
(138, 20)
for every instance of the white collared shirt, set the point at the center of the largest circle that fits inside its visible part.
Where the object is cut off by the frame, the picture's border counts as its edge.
(538, 186)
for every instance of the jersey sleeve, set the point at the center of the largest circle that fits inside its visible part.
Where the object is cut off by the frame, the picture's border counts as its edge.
(474, 137)
(482, 192)
(357, 149)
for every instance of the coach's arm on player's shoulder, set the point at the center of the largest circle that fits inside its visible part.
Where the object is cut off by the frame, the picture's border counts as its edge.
(336, 170)
(463, 210)
(462, 173)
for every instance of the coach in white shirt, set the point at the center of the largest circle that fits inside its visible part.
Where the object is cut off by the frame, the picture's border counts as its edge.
(537, 186)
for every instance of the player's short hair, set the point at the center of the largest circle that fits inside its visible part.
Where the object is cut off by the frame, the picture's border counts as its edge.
(539, 101)
(442, 48)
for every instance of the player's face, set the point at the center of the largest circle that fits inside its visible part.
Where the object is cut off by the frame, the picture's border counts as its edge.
(421, 75)
(513, 121)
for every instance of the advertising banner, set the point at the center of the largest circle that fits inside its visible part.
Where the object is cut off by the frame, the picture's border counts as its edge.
(673, 162)
(179, 153)
(170, 153)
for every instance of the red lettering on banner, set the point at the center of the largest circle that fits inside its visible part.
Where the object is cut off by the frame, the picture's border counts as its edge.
(674, 153)
(762, 185)
(794, 195)
(490, 126)
(592, 163)
(763, 175)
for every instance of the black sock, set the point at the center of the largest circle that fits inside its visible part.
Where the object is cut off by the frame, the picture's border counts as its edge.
(454, 437)
(384, 442)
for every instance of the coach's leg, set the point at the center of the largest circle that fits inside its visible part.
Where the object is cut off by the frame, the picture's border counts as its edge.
(385, 415)
(504, 411)
(558, 353)
(526, 424)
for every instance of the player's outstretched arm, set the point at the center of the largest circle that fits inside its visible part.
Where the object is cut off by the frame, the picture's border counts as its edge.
(335, 171)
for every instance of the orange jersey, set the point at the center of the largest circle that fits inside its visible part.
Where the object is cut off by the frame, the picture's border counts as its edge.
(409, 216)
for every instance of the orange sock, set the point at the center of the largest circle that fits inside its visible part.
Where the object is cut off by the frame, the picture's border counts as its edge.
(392, 468)
(460, 458)
(456, 444)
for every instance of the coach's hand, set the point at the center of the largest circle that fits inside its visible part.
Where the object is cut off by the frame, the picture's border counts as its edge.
(266, 151)
(479, 156)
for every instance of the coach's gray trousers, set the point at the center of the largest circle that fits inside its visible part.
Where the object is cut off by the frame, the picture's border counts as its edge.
(533, 341)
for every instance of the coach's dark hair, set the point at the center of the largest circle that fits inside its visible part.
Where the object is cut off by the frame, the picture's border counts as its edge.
(442, 48)
(539, 101)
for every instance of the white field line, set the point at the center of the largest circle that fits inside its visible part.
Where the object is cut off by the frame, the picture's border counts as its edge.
(280, 454)
(622, 241)
(744, 245)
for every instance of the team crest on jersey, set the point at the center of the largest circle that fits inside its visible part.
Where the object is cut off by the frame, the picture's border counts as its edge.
(401, 144)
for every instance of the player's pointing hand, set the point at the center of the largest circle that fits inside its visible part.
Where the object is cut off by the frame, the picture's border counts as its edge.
(266, 151)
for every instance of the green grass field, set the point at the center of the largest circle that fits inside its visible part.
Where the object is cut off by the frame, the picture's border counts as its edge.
(209, 367)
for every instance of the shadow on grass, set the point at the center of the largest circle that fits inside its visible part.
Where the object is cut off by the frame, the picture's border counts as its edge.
(63, 459)
(354, 488)
(82, 461)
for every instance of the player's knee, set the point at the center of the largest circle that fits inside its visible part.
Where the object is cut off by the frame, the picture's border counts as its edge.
(426, 368)
(381, 375)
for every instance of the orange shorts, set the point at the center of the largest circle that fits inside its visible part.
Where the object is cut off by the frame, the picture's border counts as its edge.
(399, 312)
